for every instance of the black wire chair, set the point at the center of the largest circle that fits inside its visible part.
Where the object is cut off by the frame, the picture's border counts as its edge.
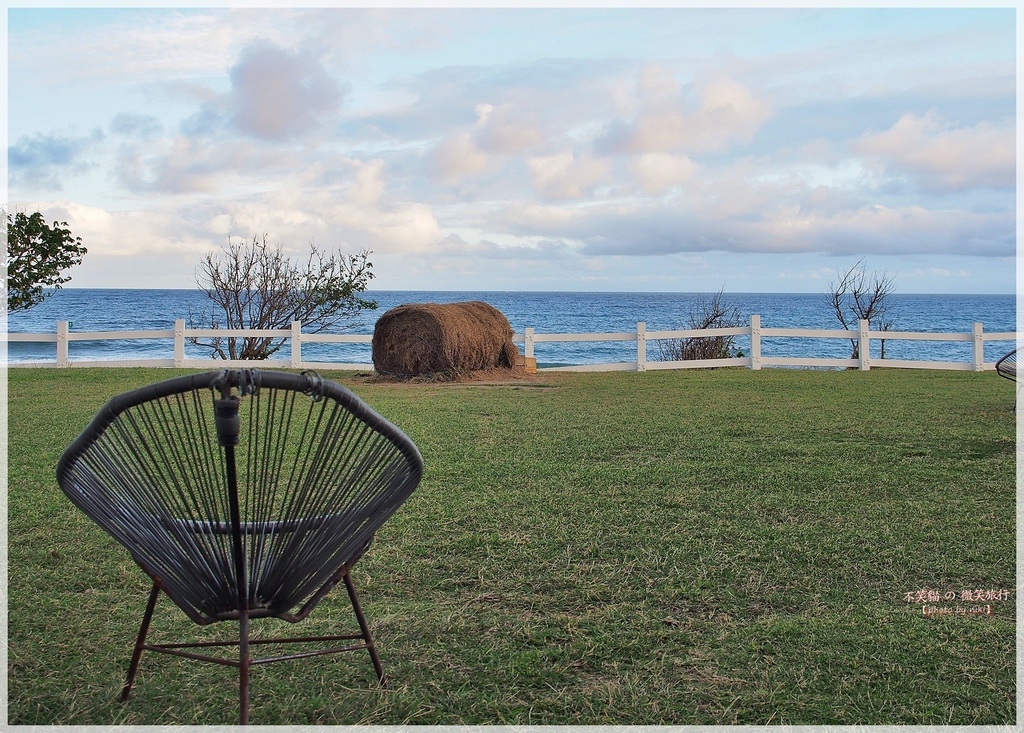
(243, 494)
(1007, 366)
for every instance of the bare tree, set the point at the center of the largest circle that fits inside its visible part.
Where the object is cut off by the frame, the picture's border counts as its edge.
(862, 296)
(255, 286)
(705, 313)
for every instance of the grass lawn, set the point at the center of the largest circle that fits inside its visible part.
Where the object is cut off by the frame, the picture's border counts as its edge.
(693, 547)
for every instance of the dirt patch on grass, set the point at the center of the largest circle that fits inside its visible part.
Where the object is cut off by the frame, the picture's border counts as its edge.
(479, 378)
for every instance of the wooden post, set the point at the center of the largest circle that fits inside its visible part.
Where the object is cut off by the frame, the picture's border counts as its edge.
(978, 347)
(641, 346)
(62, 344)
(179, 342)
(528, 342)
(863, 345)
(296, 344)
(755, 342)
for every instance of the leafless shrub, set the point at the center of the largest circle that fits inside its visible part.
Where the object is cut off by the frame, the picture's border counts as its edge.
(706, 313)
(255, 286)
(862, 296)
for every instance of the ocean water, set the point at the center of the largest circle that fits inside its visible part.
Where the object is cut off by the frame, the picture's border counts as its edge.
(545, 312)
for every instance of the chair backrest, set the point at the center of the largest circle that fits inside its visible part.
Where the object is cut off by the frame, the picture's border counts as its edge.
(1007, 366)
(241, 488)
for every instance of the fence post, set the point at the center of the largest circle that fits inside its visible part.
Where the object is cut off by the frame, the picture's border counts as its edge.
(979, 347)
(296, 344)
(62, 344)
(863, 345)
(528, 343)
(755, 341)
(641, 346)
(179, 342)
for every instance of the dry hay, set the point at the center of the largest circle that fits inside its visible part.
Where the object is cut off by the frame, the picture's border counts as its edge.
(452, 340)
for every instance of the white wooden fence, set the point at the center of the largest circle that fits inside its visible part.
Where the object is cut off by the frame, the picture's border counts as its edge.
(529, 338)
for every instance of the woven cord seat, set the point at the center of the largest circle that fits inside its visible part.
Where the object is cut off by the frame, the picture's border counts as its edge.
(242, 494)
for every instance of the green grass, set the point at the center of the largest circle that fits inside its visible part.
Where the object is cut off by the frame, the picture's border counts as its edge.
(697, 547)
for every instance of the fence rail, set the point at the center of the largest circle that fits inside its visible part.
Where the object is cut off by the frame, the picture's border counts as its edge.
(863, 337)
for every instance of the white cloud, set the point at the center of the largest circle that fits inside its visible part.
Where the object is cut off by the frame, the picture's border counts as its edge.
(277, 94)
(369, 184)
(533, 218)
(457, 158)
(507, 130)
(563, 176)
(880, 229)
(140, 45)
(405, 227)
(660, 228)
(941, 157)
(182, 164)
(658, 172)
(358, 214)
(598, 146)
(127, 233)
(498, 133)
(726, 114)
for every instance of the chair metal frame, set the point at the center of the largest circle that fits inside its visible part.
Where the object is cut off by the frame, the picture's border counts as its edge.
(108, 472)
(1007, 366)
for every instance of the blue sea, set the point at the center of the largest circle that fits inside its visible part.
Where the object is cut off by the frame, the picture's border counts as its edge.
(545, 312)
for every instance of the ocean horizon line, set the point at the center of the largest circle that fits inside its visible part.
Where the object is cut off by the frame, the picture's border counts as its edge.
(582, 292)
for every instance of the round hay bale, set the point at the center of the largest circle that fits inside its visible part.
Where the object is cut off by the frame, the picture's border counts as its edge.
(453, 339)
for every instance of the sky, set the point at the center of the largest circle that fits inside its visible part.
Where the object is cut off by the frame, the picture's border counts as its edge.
(668, 149)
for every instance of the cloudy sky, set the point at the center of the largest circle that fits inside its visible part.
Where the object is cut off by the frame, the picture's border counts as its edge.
(671, 149)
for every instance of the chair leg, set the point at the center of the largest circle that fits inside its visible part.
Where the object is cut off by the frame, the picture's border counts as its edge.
(364, 629)
(139, 642)
(243, 668)
(244, 656)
